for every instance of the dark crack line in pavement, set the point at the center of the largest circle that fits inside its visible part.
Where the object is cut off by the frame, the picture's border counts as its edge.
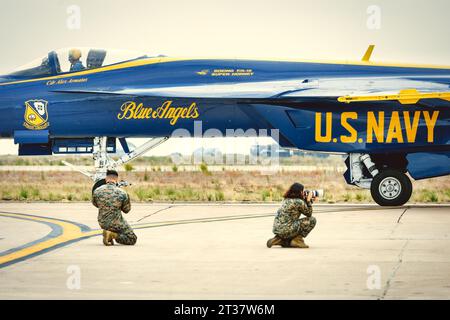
(274, 213)
(394, 271)
(316, 211)
(157, 211)
(401, 216)
(398, 222)
(400, 256)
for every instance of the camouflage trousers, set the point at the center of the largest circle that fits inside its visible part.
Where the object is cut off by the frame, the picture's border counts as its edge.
(125, 233)
(306, 225)
(303, 228)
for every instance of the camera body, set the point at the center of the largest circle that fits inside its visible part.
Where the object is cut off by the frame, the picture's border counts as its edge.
(123, 183)
(315, 193)
(120, 184)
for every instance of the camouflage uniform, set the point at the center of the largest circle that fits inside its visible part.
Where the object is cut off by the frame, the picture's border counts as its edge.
(288, 225)
(110, 201)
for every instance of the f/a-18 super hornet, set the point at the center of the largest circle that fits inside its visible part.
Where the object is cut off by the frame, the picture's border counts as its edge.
(390, 119)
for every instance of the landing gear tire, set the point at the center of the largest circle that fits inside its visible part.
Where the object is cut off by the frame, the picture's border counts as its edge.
(391, 188)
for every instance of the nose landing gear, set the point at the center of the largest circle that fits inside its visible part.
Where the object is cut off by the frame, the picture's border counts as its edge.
(103, 161)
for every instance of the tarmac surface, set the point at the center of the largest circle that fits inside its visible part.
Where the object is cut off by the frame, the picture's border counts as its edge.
(218, 251)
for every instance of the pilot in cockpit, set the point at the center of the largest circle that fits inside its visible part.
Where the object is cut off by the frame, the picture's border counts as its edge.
(74, 58)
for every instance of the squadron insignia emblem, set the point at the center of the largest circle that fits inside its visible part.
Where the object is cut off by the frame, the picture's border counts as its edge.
(36, 116)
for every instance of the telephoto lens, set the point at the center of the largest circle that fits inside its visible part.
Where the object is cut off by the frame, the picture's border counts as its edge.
(316, 193)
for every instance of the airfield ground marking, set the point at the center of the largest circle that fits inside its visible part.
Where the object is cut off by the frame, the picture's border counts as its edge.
(70, 232)
(74, 232)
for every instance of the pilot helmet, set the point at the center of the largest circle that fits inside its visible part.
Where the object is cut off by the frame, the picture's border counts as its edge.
(74, 54)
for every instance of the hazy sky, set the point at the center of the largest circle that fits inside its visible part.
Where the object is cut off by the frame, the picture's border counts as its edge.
(406, 31)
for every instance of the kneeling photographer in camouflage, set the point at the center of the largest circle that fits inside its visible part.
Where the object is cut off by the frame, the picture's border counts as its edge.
(111, 200)
(288, 227)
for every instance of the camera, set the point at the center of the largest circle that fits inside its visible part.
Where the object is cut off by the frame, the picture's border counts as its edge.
(123, 183)
(315, 193)
(120, 184)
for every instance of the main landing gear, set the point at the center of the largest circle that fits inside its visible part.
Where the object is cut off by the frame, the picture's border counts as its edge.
(389, 185)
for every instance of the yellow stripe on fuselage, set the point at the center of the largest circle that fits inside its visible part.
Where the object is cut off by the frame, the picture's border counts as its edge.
(408, 96)
(148, 61)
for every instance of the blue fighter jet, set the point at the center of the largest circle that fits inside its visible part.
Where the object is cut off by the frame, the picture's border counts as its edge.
(390, 119)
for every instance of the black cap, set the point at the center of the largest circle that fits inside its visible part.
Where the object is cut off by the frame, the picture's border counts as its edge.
(112, 173)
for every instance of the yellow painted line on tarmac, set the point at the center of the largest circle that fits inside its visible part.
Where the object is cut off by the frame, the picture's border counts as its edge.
(70, 232)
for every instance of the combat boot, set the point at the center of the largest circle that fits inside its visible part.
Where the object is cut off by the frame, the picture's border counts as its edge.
(298, 242)
(106, 241)
(276, 241)
(112, 236)
(286, 243)
(108, 237)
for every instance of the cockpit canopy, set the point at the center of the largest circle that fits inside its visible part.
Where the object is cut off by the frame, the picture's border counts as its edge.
(57, 62)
